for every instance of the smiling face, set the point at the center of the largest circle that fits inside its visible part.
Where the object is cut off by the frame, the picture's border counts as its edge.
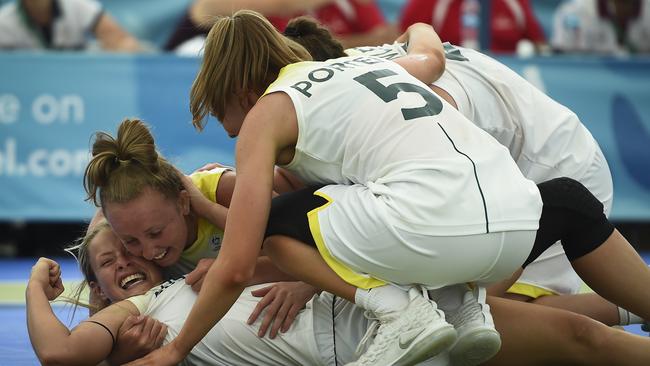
(152, 226)
(118, 274)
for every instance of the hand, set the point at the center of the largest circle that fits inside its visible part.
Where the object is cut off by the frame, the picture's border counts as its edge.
(46, 274)
(210, 166)
(166, 355)
(283, 301)
(137, 336)
(195, 278)
(198, 201)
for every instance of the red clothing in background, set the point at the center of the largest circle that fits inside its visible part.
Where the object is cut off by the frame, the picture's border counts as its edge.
(342, 17)
(510, 21)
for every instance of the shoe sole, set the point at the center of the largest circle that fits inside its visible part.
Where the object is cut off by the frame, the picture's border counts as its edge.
(427, 345)
(476, 347)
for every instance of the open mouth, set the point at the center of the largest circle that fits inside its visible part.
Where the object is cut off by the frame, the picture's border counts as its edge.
(131, 280)
(161, 255)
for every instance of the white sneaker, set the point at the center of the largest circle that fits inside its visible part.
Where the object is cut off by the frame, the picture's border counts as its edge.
(408, 336)
(478, 340)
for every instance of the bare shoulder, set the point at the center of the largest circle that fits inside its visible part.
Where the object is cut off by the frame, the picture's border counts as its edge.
(274, 114)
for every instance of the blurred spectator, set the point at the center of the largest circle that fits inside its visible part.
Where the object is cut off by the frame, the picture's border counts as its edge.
(354, 22)
(511, 21)
(60, 25)
(602, 26)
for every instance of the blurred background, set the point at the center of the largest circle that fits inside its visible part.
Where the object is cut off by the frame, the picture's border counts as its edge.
(69, 68)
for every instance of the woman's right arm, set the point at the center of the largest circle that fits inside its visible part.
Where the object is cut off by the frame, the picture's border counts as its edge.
(53, 342)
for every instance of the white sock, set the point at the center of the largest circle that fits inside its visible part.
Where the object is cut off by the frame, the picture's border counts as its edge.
(382, 300)
(449, 298)
(627, 318)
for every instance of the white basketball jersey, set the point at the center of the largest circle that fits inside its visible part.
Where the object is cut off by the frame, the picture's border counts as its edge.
(546, 139)
(232, 341)
(365, 120)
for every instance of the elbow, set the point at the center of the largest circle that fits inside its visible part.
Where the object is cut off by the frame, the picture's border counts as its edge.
(51, 358)
(239, 277)
(439, 63)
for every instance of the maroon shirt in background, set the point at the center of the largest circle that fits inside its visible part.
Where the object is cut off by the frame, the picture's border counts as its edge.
(342, 20)
(507, 28)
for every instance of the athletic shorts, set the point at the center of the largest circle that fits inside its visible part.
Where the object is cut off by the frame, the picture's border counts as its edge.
(354, 236)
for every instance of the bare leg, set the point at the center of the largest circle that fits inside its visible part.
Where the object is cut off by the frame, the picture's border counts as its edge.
(306, 264)
(540, 335)
(499, 289)
(616, 272)
(589, 304)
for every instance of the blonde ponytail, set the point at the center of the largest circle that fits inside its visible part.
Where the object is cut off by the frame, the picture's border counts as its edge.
(243, 53)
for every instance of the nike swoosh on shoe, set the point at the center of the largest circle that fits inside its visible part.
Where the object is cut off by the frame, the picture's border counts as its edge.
(405, 339)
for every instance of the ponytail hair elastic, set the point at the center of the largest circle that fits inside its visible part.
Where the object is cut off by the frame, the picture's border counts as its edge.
(120, 161)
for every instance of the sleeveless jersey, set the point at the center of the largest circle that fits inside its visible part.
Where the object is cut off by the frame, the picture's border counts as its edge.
(546, 139)
(231, 341)
(209, 237)
(365, 120)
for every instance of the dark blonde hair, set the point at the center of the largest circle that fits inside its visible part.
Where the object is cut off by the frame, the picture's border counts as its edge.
(79, 251)
(243, 53)
(316, 39)
(121, 168)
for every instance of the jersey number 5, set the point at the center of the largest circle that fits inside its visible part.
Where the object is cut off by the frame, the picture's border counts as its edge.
(389, 93)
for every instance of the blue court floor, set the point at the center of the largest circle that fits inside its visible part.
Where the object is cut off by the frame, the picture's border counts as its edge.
(15, 349)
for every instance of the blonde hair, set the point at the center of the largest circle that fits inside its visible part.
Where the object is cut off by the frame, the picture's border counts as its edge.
(243, 53)
(121, 168)
(79, 251)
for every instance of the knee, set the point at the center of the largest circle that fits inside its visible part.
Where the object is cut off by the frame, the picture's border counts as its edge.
(570, 194)
(588, 337)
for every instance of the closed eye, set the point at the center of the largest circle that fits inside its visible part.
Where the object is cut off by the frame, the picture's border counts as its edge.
(130, 242)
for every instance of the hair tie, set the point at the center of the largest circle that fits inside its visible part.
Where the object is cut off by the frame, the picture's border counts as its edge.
(291, 32)
(120, 161)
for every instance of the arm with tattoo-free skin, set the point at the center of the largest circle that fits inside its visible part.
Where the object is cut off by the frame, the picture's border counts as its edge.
(425, 55)
(53, 342)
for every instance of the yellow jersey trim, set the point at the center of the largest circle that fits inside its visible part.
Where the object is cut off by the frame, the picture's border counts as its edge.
(343, 271)
(289, 69)
(206, 182)
(529, 290)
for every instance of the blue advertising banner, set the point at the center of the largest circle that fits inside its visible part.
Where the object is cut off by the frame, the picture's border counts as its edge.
(52, 104)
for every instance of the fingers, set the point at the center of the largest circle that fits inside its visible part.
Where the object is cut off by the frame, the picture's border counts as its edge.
(271, 312)
(196, 287)
(291, 316)
(58, 286)
(263, 303)
(261, 292)
(148, 326)
(130, 322)
(278, 319)
(193, 277)
(162, 333)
